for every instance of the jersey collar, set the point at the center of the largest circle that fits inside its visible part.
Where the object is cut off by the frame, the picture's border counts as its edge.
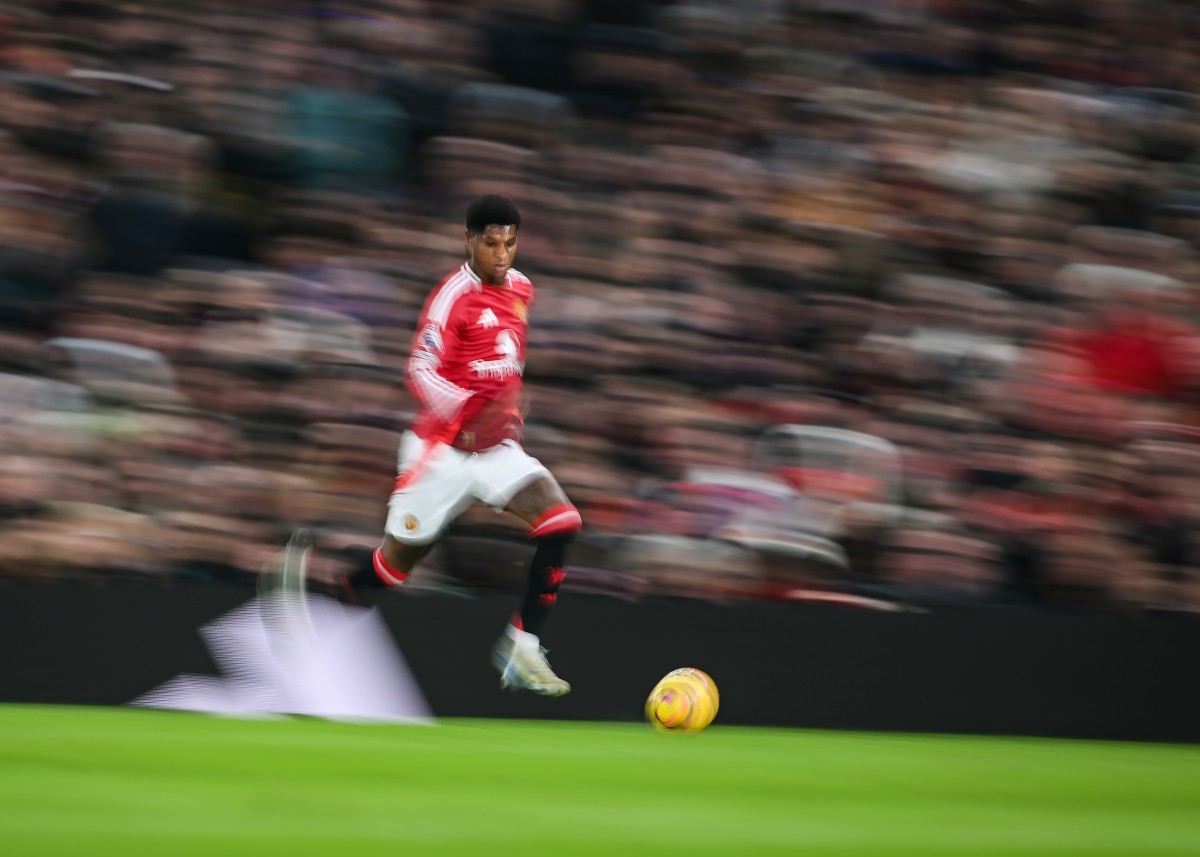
(478, 283)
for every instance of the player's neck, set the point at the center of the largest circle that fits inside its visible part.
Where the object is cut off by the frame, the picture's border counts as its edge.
(503, 284)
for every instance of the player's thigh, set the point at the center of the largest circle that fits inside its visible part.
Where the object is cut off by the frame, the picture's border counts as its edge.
(420, 510)
(532, 502)
(506, 472)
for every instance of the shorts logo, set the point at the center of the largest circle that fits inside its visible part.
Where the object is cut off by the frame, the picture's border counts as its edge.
(411, 523)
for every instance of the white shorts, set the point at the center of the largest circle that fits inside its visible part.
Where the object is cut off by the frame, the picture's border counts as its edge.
(449, 481)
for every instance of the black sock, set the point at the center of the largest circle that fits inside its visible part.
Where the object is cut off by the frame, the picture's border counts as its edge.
(362, 568)
(546, 573)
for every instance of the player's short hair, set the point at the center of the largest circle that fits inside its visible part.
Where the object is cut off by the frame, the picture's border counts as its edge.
(492, 209)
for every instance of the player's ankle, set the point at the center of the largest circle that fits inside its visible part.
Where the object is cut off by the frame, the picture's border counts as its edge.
(520, 637)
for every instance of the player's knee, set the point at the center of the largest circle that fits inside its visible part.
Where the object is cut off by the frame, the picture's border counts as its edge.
(560, 522)
(402, 556)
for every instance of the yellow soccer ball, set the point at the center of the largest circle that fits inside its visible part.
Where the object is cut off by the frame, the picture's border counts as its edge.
(685, 700)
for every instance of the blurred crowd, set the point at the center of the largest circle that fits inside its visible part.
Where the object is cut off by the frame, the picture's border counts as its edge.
(875, 301)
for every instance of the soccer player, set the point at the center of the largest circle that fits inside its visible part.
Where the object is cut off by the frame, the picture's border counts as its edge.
(465, 370)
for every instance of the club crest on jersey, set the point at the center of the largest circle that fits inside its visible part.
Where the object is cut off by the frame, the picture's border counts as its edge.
(487, 318)
(520, 310)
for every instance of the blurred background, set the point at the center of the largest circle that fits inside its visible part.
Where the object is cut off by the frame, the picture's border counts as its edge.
(875, 301)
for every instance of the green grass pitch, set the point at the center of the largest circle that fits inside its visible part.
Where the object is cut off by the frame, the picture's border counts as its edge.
(77, 781)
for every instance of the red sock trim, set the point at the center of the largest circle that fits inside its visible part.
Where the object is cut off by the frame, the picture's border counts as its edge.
(387, 574)
(563, 518)
(517, 623)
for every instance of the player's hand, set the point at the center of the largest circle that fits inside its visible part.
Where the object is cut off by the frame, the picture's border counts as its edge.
(488, 421)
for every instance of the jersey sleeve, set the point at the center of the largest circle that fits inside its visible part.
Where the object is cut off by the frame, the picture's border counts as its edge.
(433, 344)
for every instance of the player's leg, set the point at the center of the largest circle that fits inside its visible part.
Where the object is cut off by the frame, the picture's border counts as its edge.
(553, 523)
(509, 479)
(433, 489)
(386, 566)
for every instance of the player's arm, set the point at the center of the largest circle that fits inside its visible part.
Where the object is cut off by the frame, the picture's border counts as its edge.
(426, 380)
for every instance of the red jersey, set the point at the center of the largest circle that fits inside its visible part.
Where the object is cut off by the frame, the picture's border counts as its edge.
(468, 353)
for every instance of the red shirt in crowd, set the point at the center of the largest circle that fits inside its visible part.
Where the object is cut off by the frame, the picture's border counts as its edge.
(1133, 358)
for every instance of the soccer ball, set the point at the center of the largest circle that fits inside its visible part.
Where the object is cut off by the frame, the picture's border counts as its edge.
(685, 700)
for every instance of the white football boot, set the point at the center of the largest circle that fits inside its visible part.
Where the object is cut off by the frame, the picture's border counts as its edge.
(522, 664)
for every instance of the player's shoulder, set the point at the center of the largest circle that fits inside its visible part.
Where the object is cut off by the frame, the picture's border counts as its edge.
(521, 283)
(461, 280)
(458, 284)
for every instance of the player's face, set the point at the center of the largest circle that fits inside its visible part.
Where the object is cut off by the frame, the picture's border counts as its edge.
(492, 252)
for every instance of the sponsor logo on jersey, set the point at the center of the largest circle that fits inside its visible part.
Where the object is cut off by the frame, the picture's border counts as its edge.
(487, 318)
(507, 365)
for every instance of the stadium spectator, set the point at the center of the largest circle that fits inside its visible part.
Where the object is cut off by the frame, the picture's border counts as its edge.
(968, 230)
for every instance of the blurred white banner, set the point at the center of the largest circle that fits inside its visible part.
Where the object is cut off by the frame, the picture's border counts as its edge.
(310, 656)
